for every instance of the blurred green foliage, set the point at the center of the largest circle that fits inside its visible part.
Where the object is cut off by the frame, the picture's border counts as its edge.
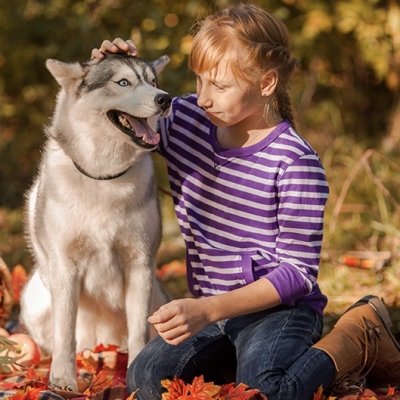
(346, 90)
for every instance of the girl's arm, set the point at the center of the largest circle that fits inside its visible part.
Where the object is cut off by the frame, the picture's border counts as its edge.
(179, 320)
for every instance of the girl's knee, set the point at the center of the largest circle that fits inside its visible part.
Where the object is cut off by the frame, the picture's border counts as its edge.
(142, 378)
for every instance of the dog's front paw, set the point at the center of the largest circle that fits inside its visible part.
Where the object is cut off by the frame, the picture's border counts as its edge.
(63, 384)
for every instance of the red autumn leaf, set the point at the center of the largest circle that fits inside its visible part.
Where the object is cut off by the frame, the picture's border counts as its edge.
(176, 388)
(320, 395)
(29, 394)
(100, 348)
(200, 390)
(19, 395)
(174, 268)
(230, 392)
(225, 389)
(85, 363)
(36, 379)
(97, 383)
(391, 391)
(33, 393)
(370, 395)
(4, 385)
(18, 279)
(33, 379)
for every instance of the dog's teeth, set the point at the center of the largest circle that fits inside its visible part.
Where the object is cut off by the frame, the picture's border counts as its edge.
(123, 121)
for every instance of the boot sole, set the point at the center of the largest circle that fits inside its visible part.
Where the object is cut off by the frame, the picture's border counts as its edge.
(379, 307)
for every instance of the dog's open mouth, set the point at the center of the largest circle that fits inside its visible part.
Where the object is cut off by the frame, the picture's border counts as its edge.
(137, 128)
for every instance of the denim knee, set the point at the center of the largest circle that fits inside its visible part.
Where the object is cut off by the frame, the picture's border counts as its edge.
(142, 376)
(159, 361)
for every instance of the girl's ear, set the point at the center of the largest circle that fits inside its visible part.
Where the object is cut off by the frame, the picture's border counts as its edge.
(269, 82)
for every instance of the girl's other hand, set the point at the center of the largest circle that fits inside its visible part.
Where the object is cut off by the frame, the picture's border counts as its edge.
(118, 45)
(179, 320)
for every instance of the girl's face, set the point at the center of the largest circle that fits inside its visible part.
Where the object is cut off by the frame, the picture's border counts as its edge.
(228, 100)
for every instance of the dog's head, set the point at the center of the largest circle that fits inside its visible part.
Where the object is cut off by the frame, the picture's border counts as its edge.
(120, 90)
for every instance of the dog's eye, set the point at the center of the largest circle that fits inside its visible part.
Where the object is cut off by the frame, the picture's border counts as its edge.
(123, 82)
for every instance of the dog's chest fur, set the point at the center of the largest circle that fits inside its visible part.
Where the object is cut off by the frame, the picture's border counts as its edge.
(101, 221)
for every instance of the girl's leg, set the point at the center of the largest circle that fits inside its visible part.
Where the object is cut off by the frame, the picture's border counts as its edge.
(274, 355)
(209, 353)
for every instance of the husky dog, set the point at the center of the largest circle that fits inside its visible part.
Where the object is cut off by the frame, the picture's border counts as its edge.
(93, 218)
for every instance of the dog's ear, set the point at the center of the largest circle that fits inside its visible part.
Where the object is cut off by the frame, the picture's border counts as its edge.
(158, 65)
(66, 74)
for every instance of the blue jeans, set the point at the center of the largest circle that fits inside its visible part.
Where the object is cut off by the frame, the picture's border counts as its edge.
(268, 350)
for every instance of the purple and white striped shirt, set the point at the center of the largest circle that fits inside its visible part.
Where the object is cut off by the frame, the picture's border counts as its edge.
(246, 213)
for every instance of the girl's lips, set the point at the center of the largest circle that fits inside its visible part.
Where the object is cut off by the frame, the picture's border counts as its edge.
(212, 113)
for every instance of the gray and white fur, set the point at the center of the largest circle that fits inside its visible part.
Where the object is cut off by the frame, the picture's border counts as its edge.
(93, 219)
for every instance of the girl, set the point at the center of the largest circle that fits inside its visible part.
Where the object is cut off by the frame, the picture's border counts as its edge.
(249, 194)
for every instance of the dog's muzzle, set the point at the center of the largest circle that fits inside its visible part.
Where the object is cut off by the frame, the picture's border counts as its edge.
(137, 128)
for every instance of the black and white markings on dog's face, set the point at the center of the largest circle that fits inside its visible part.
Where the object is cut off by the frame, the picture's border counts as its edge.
(126, 90)
(119, 68)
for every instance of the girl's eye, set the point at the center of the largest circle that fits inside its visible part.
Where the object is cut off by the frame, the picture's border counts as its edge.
(123, 82)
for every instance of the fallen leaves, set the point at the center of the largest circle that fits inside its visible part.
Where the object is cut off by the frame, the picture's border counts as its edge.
(172, 269)
(177, 389)
(366, 394)
(99, 379)
(31, 379)
(30, 383)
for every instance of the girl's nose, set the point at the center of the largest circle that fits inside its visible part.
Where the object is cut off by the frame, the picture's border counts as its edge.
(203, 100)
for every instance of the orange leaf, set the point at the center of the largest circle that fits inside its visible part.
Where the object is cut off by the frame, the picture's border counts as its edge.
(174, 268)
(36, 379)
(176, 389)
(18, 279)
(97, 383)
(18, 395)
(32, 379)
(132, 395)
(319, 395)
(11, 385)
(33, 393)
(200, 390)
(100, 348)
(229, 392)
(88, 364)
(29, 394)
(390, 391)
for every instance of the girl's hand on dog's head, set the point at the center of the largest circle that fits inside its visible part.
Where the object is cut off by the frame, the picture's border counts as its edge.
(118, 45)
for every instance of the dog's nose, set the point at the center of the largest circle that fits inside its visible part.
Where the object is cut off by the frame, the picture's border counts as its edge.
(163, 100)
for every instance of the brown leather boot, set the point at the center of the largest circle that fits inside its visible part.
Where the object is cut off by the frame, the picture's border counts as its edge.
(362, 346)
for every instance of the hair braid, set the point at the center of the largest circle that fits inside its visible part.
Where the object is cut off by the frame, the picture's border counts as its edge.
(285, 105)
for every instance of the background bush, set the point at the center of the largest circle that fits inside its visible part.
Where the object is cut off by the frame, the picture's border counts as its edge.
(346, 96)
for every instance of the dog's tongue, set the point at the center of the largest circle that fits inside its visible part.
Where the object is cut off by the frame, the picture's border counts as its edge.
(143, 130)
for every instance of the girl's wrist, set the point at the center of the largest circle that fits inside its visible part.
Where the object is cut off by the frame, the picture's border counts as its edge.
(210, 308)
